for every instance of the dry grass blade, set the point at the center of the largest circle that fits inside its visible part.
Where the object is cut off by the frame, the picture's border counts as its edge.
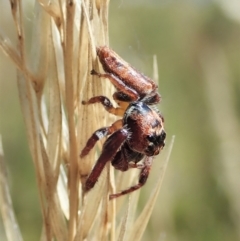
(53, 210)
(10, 223)
(124, 223)
(155, 69)
(10, 51)
(91, 210)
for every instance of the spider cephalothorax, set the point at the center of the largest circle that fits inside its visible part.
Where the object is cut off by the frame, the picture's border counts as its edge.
(140, 134)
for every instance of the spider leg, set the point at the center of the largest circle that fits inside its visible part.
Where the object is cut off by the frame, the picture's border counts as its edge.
(127, 158)
(122, 99)
(151, 99)
(99, 134)
(142, 179)
(110, 148)
(106, 104)
(120, 161)
(119, 84)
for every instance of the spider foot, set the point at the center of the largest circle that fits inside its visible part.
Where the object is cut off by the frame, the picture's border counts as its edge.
(94, 72)
(129, 190)
(112, 196)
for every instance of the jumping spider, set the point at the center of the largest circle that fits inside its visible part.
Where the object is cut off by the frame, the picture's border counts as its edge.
(139, 134)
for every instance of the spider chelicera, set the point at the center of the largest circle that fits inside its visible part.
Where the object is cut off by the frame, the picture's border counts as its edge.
(140, 134)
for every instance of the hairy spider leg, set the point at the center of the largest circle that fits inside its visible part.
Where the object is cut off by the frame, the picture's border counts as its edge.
(127, 158)
(118, 111)
(142, 178)
(122, 97)
(99, 134)
(119, 84)
(152, 99)
(119, 161)
(122, 100)
(110, 148)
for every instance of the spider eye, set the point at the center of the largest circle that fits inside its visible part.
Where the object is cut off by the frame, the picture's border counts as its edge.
(157, 139)
(150, 149)
(151, 138)
(161, 138)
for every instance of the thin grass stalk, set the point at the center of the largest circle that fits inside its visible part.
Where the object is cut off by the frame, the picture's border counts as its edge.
(68, 63)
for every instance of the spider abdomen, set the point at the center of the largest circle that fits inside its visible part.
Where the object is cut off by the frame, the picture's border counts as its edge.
(115, 65)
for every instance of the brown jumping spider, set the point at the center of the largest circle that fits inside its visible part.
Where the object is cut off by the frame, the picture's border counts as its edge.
(139, 134)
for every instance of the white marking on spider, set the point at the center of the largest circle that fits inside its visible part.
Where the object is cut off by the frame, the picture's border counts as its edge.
(106, 102)
(100, 134)
(129, 111)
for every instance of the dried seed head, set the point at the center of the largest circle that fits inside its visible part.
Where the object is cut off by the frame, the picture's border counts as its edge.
(53, 78)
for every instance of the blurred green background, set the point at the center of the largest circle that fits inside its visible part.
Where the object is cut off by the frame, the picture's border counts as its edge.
(197, 44)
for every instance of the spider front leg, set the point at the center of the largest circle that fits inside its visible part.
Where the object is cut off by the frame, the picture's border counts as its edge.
(106, 104)
(142, 178)
(99, 134)
(110, 148)
(152, 99)
(119, 84)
